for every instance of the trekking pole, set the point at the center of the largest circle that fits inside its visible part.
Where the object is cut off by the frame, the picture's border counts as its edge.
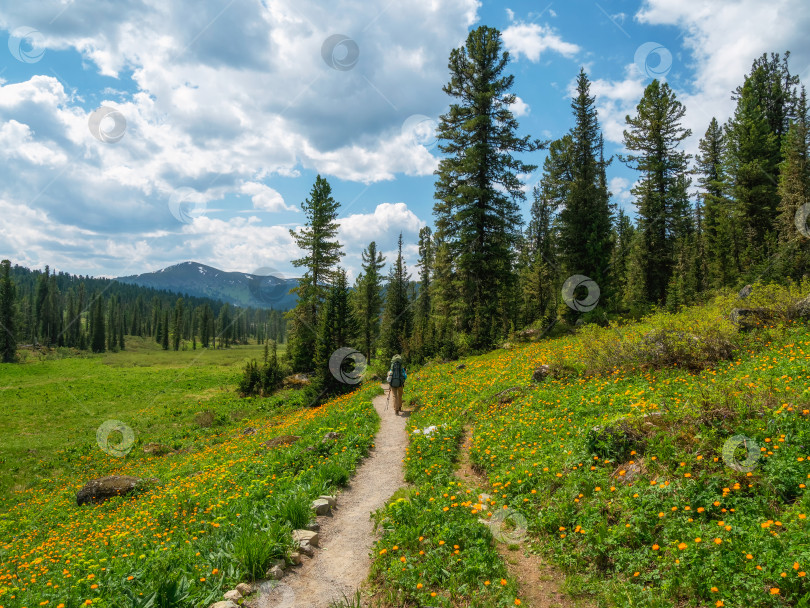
(388, 397)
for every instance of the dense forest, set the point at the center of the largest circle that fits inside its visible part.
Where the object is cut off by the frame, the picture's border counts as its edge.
(53, 309)
(735, 213)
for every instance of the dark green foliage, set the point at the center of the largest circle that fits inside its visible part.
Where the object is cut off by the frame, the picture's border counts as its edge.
(321, 256)
(766, 102)
(8, 331)
(398, 316)
(367, 299)
(262, 380)
(584, 207)
(653, 137)
(337, 329)
(477, 186)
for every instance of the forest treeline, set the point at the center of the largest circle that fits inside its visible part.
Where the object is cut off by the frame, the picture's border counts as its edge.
(56, 309)
(734, 213)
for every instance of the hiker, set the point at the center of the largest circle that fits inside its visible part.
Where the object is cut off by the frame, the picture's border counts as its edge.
(396, 380)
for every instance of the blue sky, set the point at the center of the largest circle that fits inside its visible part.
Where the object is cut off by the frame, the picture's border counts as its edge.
(218, 115)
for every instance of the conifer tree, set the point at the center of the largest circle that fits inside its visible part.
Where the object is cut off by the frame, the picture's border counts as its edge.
(398, 316)
(338, 328)
(794, 193)
(653, 137)
(765, 105)
(322, 253)
(368, 299)
(477, 187)
(98, 340)
(422, 346)
(585, 215)
(8, 326)
(720, 221)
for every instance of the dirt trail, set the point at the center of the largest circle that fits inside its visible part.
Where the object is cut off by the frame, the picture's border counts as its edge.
(539, 583)
(342, 562)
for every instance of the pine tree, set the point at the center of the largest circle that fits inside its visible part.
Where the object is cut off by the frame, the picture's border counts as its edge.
(477, 187)
(321, 256)
(661, 194)
(398, 316)
(444, 300)
(585, 216)
(368, 299)
(8, 325)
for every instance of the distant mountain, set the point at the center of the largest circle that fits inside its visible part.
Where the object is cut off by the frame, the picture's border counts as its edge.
(238, 288)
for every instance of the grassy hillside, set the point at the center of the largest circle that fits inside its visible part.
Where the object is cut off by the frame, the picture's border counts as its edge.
(615, 463)
(192, 529)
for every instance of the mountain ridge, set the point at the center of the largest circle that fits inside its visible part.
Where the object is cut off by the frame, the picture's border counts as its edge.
(241, 289)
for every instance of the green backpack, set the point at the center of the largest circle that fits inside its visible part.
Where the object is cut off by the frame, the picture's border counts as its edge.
(396, 374)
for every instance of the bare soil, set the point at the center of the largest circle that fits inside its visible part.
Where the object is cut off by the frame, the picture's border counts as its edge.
(342, 561)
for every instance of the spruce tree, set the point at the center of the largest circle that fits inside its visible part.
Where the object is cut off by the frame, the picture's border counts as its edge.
(478, 188)
(322, 253)
(368, 299)
(585, 216)
(398, 316)
(654, 134)
(422, 346)
(8, 326)
(794, 193)
(765, 105)
(98, 340)
(164, 336)
(719, 215)
(177, 327)
(538, 262)
(338, 328)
